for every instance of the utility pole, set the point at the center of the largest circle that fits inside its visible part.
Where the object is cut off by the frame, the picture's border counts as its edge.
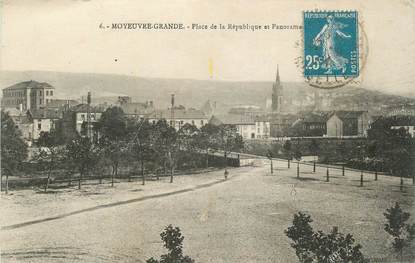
(172, 112)
(173, 125)
(88, 117)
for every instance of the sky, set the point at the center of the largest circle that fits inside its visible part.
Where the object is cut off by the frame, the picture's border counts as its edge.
(65, 36)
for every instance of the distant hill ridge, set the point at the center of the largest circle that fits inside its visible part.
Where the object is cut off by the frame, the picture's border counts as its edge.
(188, 92)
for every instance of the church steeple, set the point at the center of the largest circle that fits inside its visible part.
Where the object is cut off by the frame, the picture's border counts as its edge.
(277, 77)
(277, 93)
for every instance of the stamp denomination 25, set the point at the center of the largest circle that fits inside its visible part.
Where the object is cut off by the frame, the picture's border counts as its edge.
(331, 46)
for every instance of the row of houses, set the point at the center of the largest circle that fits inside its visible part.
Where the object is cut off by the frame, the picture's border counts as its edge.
(71, 122)
(69, 117)
(33, 114)
(306, 124)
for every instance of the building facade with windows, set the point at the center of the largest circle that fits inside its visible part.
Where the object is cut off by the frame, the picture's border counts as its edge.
(179, 117)
(245, 124)
(43, 120)
(74, 120)
(28, 95)
(348, 123)
(263, 127)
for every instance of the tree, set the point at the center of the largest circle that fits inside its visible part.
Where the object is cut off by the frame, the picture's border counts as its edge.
(173, 242)
(165, 145)
(336, 247)
(401, 152)
(113, 129)
(287, 149)
(50, 153)
(187, 143)
(113, 151)
(13, 148)
(208, 140)
(112, 123)
(319, 247)
(230, 141)
(314, 148)
(141, 146)
(394, 148)
(301, 233)
(82, 154)
(402, 233)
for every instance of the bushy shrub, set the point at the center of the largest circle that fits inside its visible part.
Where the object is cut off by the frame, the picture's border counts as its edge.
(173, 241)
(318, 246)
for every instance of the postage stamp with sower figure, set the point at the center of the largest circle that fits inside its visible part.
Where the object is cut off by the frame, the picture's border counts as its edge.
(331, 44)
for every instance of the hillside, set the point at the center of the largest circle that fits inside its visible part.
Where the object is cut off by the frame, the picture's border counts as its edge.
(191, 93)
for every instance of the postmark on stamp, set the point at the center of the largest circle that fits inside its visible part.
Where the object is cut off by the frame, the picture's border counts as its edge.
(331, 47)
(331, 44)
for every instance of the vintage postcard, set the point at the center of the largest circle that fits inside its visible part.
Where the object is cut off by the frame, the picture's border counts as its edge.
(207, 131)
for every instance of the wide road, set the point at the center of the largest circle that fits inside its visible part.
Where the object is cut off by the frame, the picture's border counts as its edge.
(241, 219)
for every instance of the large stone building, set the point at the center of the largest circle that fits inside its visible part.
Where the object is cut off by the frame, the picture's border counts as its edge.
(43, 120)
(179, 117)
(348, 123)
(310, 124)
(135, 109)
(245, 124)
(28, 95)
(74, 121)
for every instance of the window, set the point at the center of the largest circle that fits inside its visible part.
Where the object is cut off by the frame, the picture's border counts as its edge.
(47, 93)
(40, 101)
(51, 93)
(39, 126)
(201, 122)
(82, 116)
(181, 122)
(47, 101)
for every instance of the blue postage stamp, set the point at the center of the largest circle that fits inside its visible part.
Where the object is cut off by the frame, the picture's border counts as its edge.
(331, 44)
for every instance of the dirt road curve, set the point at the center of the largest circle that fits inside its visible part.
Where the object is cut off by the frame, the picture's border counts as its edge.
(238, 220)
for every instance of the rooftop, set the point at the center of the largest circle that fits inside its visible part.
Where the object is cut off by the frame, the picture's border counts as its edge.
(348, 114)
(30, 84)
(136, 108)
(178, 114)
(56, 103)
(235, 119)
(316, 117)
(395, 121)
(45, 113)
(84, 108)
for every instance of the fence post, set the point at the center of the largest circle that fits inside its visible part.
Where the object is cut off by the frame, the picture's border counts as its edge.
(401, 185)
(298, 169)
(413, 179)
(343, 169)
(272, 168)
(327, 175)
(361, 178)
(288, 163)
(376, 175)
(314, 166)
